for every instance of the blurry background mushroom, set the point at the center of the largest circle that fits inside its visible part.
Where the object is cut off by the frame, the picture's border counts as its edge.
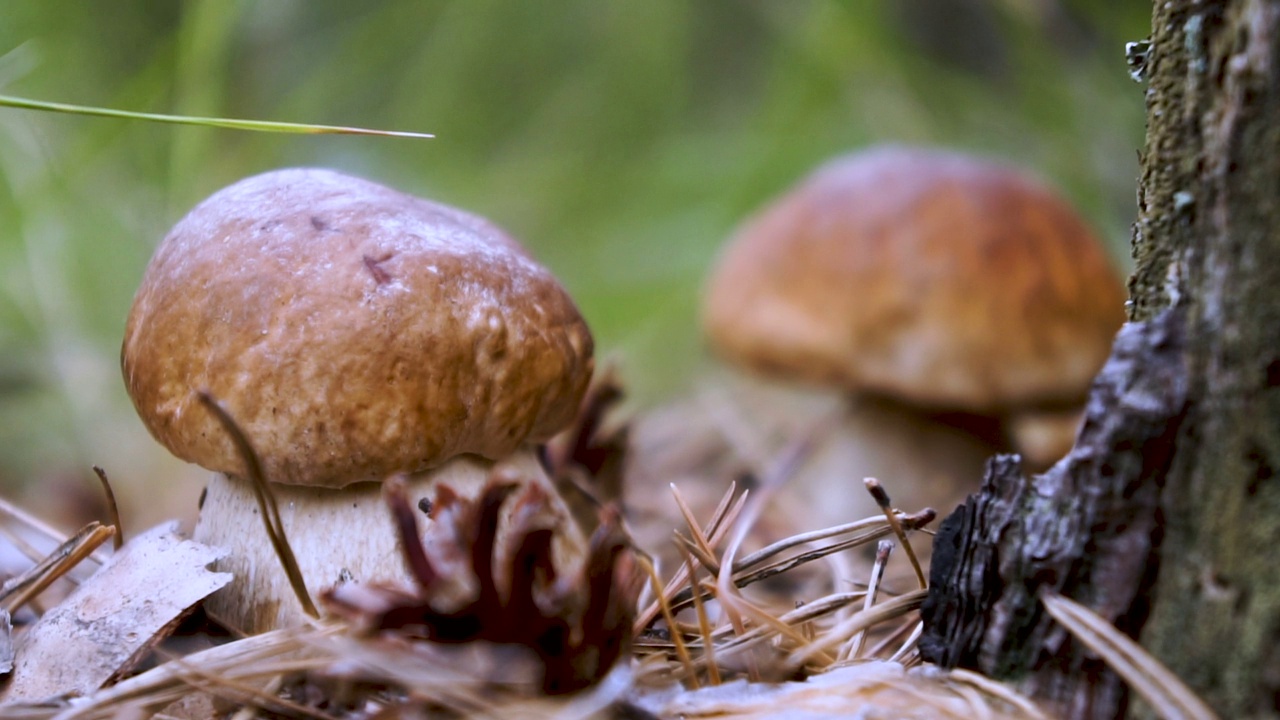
(353, 333)
(956, 306)
(621, 148)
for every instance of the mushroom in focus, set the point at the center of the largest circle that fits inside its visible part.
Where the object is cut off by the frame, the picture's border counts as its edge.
(942, 293)
(354, 333)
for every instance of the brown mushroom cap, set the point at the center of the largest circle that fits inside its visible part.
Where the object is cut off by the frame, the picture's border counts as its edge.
(935, 277)
(352, 331)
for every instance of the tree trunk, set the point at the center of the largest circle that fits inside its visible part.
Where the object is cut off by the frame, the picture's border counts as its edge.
(1164, 516)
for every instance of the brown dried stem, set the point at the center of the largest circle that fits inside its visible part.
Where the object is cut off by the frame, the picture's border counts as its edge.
(113, 510)
(266, 502)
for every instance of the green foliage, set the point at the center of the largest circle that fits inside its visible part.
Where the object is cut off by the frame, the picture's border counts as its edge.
(621, 141)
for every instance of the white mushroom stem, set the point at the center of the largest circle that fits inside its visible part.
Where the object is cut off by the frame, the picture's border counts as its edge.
(338, 535)
(1044, 437)
(920, 462)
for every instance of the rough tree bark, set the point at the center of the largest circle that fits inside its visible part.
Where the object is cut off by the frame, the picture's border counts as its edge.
(1165, 516)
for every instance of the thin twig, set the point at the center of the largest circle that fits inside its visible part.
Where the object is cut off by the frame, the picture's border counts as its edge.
(854, 648)
(912, 521)
(704, 623)
(695, 531)
(879, 648)
(782, 566)
(250, 711)
(882, 499)
(909, 644)
(681, 651)
(113, 510)
(806, 613)
(266, 502)
(251, 697)
(732, 603)
(858, 621)
(171, 681)
(725, 516)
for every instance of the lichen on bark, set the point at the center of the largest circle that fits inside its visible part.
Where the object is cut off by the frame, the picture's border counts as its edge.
(1217, 603)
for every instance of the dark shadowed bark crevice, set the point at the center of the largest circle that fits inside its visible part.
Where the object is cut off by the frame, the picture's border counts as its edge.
(1087, 528)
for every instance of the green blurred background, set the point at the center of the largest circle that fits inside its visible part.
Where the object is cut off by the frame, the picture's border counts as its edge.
(622, 141)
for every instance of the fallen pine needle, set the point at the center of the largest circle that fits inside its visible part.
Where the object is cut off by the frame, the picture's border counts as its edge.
(1166, 694)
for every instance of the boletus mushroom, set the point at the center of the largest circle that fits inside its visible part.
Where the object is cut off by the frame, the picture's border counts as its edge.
(925, 284)
(353, 333)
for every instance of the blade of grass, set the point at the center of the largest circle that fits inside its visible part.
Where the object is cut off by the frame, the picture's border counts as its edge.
(226, 123)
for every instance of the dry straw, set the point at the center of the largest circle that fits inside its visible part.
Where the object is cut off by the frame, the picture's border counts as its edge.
(707, 642)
